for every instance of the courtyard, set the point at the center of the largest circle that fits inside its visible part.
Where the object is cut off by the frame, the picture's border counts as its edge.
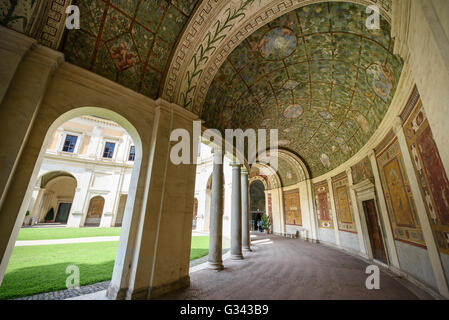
(37, 267)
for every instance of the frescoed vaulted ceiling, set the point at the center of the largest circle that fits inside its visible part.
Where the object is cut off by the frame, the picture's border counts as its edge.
(128, 41)
(318, 74)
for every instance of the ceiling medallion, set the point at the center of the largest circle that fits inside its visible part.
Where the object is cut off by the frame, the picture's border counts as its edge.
(326, 115)
(381, 79)
(290, 85)
(325, 160)
(277, 44)
(293, 111)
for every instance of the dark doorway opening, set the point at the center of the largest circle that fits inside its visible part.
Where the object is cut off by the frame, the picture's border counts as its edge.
(63, 212)
(374, 231)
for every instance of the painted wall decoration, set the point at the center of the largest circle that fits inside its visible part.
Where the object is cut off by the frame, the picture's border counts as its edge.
(128, 41)
(432, 178)
(343, 204)
(287, 173)
(317, 74)
(270, 207)
(323, 205)
(292, 208)
(16, 14)
(398, 194)
(362, 171)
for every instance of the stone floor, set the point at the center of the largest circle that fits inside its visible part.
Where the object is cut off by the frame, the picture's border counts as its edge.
(277, 268)
(282, 268)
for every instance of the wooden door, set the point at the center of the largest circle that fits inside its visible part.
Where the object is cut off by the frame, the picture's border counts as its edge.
(374, 231)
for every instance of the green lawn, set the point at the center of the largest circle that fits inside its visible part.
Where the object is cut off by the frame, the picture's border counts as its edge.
(37, 269)
(65, 233)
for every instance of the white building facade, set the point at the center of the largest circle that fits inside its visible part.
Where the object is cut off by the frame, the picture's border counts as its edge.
(84, 176)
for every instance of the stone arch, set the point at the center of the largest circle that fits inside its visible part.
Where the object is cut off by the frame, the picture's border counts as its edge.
(296, 162)
(49, 118)
(56, 191)
(45, 178)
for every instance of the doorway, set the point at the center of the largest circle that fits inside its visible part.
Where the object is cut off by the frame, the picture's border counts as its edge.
(374, 231)
(95, 212)
(63, 212)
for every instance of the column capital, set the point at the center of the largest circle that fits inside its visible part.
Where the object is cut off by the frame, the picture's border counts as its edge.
(244, 171)
(371, 154)
(235, 165)
(397, 125)
(349, 172)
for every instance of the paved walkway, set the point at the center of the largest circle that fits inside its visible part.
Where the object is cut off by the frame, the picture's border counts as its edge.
(65, 241)
(281, 268)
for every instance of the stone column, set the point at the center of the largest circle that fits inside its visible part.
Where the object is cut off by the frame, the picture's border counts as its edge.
(246, 240)
(334, 211)
(35, 212)
(356, 210)
(236, 214)
(157, 261)
(216, 214)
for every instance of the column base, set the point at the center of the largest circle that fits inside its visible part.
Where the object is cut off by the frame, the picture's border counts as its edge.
(157, 291)
(215, 265)
(115, 293)
(238, 256)
(247, 249)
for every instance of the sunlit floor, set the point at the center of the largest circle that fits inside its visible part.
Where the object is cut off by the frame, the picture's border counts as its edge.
(281, 268)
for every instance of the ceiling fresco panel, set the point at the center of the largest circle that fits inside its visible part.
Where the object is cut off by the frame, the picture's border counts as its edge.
(331, 82)
(129, 42)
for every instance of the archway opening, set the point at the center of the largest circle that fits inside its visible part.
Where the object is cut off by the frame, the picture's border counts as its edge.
(52, 199)
(257, 205)
(84, 176)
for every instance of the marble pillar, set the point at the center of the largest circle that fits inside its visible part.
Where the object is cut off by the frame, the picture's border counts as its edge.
(246, 240)
(216, 214)
(236, 213)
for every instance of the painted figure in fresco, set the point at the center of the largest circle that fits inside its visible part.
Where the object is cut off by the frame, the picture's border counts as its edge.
(434, 170)
(325, 160)
(398, 196)
(344, 205)
(278, 43)
(382, 80)
(323, 206)
(126, 59)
